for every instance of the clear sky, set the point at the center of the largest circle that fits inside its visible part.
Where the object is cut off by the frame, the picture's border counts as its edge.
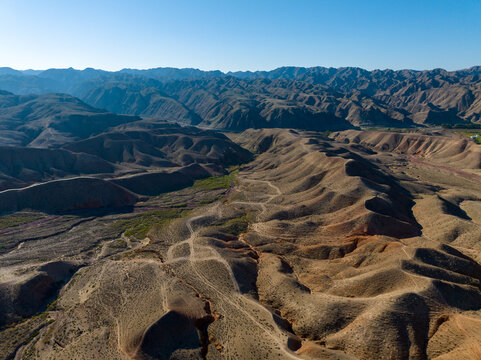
(241, 34)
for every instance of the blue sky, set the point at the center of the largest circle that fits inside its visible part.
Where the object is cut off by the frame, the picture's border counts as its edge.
(240, 35)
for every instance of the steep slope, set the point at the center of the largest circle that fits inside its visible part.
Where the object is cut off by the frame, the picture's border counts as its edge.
(453, 150)
(430, 97)
(336, 191)
(330, 259)
(318, 249)
(70, 80)
(166, 145)
(51, 120)
(137, 96)
(147, 161)
(27, 84)
(9, 71)
(66, 195)
(21, 166)
(234, 104)
(347, 79)
(66, 80)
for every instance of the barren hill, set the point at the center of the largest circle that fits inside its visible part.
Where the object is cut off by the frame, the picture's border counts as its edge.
(135, 237)
(321, 98)
(138, 96)
(233, 104)
(51, 140)
(51, 120)
(163, 146)
(359, 246)
(432, 96)
(22, 166)
(66, 195)
(448, 149)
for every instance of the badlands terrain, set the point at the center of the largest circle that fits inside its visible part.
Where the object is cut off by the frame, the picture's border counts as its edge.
(240, 216)
(314, 98)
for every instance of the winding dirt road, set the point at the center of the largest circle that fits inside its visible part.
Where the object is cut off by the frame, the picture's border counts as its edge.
(261, 318)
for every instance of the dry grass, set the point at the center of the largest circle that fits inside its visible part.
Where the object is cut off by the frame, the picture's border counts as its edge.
(17, 219)
(139, 226)
(217, 182)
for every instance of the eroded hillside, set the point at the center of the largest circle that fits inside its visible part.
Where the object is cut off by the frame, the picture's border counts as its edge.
(340, 248)
(316, 98)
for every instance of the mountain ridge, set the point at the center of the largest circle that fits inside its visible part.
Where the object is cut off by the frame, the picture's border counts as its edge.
(393, 98)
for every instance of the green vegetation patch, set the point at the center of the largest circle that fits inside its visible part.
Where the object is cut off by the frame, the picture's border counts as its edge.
(140, 225)
(462, 126)
(119, 244)
(217, 182)
(209, 200)
(21, 333)
(235, 226)
(18, 219)
(181, 205)
(52, 306)
(477, 139)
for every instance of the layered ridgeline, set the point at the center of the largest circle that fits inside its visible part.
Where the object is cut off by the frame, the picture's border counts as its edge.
(236, 104)
(51, 120)
(444, 149)
(59, 154)
(357, 245)
(318, 98)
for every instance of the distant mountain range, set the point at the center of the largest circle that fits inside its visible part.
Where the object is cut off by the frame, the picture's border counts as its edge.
(315, 98)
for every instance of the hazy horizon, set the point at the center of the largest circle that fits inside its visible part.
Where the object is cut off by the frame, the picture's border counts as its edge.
(234, 70)
(246, 36)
